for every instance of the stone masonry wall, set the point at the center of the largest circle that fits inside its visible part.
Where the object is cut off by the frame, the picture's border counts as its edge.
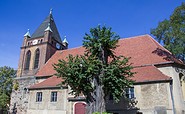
(19, 97)
(153, 96)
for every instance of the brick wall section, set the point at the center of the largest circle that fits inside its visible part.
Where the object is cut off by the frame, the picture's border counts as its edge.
(47, 49)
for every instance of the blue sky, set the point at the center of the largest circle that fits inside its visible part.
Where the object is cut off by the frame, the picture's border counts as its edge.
(74, 18)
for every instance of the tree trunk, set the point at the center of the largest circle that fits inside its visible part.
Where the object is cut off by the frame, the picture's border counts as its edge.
(99, 102)
(1, 111)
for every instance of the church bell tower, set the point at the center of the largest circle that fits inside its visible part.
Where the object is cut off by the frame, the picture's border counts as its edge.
(39, 47)
(36, 50)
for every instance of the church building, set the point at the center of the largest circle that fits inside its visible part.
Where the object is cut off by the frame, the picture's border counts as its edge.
(159, 86)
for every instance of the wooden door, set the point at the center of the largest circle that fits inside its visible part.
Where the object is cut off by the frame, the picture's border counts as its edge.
(80, 108)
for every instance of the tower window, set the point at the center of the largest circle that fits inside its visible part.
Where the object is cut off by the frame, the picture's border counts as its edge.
(37, 54)
(28, 57)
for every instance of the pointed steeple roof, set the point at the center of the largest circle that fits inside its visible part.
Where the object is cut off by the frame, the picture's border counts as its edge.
(65, 40)
(27, 34)
(41, 29)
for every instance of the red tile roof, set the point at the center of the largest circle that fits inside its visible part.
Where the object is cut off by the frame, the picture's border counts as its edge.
(143, 50)
(143, 74)
(148, 73)
(48, 70)
(48, 83)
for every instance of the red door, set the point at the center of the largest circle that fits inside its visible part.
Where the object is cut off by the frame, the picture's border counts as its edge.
(80, 108)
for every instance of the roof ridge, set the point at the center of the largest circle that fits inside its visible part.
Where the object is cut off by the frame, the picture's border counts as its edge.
(70, 49)
(158, 44)
(134, 37)
(119, 40)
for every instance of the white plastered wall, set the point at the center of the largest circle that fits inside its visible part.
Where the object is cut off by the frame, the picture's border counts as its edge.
(172, 72)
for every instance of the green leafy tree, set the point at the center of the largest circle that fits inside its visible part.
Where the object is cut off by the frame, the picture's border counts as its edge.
(6, 82)
(171, 32)
(99, 72)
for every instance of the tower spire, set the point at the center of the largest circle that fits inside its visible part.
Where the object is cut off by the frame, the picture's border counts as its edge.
(39, 32)
(27, 33)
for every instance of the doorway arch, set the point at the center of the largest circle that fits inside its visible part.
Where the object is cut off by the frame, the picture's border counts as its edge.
(79, 108)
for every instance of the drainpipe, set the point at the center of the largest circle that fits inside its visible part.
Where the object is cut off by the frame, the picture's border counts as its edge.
(171, 93)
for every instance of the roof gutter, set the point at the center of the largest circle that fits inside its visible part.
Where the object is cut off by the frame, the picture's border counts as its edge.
(49, 87)
(154, 81)
(162, 63)
(42, 76)
(158, 64)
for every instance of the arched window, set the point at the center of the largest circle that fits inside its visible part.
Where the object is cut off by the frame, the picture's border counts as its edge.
(28, 57)
(37, 54)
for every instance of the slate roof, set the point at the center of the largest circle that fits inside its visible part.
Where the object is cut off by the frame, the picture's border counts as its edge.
(144, 51)
(40, 30)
